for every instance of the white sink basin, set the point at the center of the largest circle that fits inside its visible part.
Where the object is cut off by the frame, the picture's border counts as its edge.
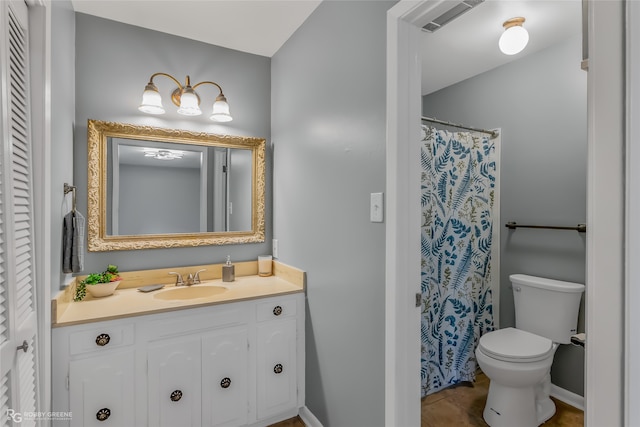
(190, 292)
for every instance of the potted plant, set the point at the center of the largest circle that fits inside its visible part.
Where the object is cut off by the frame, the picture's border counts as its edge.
(99, 284)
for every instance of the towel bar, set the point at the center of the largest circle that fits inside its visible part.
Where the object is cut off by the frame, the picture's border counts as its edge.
(580, 228)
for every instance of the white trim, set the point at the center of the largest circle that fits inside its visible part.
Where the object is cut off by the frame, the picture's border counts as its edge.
(40, 40)
(402, 274)
(308, 418)
(495, 247)
(604, 218)
(568, 397)
(604, 294)
(402, 277)
(632, 300)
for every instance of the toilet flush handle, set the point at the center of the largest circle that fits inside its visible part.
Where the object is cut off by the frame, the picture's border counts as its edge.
(517, 289)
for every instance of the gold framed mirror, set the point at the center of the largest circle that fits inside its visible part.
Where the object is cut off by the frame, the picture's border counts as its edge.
(163, 188)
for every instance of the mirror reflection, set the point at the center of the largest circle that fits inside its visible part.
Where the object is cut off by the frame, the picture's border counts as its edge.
(158, 188)
(152, 187)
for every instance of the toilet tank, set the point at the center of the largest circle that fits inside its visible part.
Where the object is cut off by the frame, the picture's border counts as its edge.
(546, 307)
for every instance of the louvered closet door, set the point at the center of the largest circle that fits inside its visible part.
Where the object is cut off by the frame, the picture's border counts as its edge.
(18, 321)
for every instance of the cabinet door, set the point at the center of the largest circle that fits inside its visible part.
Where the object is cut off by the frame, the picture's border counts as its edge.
(173, 383)
(224, 378)
(276, 367)
(101, 390)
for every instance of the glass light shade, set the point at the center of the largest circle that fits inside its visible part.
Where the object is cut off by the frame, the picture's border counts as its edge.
(513, 40)
(151, 101)
(189, 103)
(221, 110)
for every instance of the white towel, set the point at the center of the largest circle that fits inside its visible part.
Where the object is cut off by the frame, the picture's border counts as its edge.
(73, 242)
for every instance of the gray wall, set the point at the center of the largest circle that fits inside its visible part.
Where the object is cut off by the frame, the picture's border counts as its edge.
(114, 62)
(328, 130)
(540, 102)
(158, 200)
(62, 120)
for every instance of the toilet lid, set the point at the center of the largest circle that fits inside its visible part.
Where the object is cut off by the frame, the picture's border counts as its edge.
(515, 345)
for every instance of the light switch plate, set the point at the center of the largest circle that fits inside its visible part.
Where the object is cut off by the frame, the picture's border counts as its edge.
(377, 207)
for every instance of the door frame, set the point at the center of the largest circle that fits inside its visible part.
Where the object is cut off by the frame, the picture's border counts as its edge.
(40, 61)
(605, 239)
(632, 299)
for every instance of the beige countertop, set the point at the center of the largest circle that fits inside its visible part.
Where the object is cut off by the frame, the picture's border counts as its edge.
(129, 301)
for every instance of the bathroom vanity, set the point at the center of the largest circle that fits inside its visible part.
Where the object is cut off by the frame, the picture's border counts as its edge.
(228, 358)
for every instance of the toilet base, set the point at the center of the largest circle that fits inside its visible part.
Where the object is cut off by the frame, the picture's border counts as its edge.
(522, 407)
(509, 406)
(545, 410)
(544, 405)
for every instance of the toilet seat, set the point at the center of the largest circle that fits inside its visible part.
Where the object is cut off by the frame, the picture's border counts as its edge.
(515, 345)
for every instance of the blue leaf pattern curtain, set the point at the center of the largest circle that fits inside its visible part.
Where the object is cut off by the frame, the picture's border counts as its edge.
(458, 183)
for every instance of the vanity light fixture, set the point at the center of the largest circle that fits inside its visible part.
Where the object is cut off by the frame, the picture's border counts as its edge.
(515, 36)
(185, 97)
(163, 154)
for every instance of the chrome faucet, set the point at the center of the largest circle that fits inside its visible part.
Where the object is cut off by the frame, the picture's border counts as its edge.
(196, 277)
(179, 280)
(192, 279)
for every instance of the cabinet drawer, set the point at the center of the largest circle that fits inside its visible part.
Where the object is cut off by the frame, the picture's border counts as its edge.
(276, 309)
(181, 323)
(101, 338)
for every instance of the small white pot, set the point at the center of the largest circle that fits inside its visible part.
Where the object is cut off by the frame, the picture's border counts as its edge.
(103, 289)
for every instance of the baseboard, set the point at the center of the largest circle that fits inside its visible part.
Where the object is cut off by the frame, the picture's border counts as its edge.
(308, 418)
(567, 397)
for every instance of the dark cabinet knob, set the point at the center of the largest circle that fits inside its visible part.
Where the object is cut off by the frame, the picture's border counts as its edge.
(277, 369)
(277, 310)
(225, 383)
(103, 339)
(176, 395)
(103, 414)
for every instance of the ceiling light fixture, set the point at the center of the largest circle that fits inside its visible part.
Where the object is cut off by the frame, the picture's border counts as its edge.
(185, 97)
(515, 36)
(163, 154)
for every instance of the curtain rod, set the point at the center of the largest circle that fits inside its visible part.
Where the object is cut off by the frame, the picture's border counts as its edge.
(493, 133)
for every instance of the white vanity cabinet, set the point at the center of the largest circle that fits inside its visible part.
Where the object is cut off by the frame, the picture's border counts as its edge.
(276, 357)
(96, 380)
(173, 379)
(197, 368)
(101, 390)
(225, 382)
(232, 364)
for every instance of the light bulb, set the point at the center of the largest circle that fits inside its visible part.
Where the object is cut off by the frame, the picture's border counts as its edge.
(514, 38)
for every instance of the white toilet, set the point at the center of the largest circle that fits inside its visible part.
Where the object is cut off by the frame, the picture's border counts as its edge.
(518, 360)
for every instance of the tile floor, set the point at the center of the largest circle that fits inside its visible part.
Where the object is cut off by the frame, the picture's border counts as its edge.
(462, 406)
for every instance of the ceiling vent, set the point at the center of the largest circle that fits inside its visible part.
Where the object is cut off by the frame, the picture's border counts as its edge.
(457, 10)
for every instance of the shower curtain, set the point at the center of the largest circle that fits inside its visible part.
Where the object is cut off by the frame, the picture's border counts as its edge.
(458, 183)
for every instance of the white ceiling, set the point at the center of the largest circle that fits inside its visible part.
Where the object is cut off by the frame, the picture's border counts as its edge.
(468, 45)
(463, 48)
(255, 26)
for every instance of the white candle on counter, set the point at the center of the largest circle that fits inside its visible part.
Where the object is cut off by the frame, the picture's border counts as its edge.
(265, 263)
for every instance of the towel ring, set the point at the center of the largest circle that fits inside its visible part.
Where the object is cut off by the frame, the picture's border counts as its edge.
(71, 189)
